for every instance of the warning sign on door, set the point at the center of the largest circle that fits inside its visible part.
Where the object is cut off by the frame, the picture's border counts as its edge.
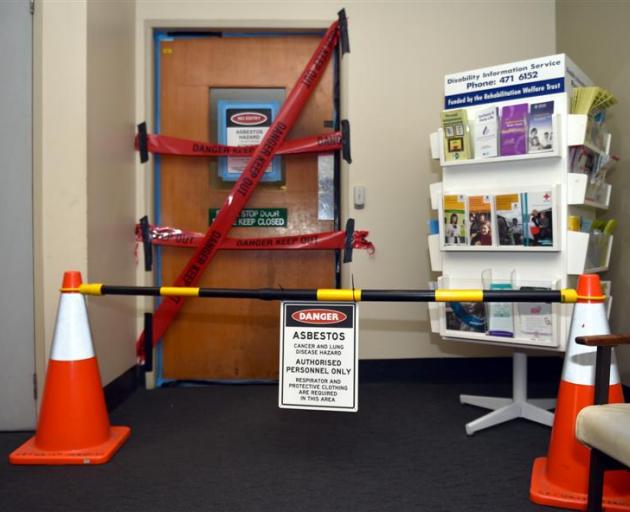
(245, 124)
(319, 356)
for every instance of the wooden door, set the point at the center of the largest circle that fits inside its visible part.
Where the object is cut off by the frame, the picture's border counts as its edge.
(236, 339)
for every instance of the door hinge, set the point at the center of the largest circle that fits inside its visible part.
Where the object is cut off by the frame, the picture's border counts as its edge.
(35, 386)
(32, 6)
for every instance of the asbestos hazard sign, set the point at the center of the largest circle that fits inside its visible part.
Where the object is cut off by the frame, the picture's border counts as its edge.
(319, 356)
(245, 124)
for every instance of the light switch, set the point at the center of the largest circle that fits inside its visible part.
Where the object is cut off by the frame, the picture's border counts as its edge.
(359, 196)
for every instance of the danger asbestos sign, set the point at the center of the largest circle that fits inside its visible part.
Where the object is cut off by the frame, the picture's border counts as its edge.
(318, 356)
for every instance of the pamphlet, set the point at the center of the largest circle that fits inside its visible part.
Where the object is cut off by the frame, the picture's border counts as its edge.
(454, 220)
(465, 316)
(596, 132)
(597, 190)
(514, 129)
(534, 318)
(509, 219)
(583, 160)
(500, 321)
(486, 133)
(593, 102)
(587, 100)
(480, 218)
(456, 135)
(586, 225)
(540, 127)
(538, 217)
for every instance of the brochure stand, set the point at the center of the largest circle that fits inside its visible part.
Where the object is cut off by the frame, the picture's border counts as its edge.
(477, 182)
(506, 409)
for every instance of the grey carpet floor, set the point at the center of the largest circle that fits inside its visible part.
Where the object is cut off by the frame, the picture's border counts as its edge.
(229, 448)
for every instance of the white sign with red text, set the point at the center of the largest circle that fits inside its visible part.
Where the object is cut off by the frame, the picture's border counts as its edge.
(319, 351)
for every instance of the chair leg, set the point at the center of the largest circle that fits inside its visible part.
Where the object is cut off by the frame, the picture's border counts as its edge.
(596, 481)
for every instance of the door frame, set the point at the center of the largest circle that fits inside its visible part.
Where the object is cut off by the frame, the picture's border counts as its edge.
(161, 34)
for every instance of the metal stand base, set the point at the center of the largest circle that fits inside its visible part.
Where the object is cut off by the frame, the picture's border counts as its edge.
(506, 409)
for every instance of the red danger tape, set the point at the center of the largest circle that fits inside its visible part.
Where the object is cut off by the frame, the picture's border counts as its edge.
(173, 237)
(166, 145)
(246, 184)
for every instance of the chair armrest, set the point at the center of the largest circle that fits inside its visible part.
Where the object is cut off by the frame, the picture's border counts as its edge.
(604, 344)
(604, 340)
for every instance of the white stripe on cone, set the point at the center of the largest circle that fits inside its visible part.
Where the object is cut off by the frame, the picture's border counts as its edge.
(72, 340)
(589, 319)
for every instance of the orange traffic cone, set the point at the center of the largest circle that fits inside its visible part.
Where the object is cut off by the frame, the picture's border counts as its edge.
(561, 478)
(73, 426)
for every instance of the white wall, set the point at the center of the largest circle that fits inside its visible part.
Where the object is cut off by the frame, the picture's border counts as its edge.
(605, 59)
(392, 90)
(84, 181)
(111, 179)
(59, 174)
(85, 186)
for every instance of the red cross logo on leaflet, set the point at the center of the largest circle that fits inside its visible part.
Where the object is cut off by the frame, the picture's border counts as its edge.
(546, 197)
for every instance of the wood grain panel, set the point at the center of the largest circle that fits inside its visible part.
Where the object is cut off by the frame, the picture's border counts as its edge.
(236, 339)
